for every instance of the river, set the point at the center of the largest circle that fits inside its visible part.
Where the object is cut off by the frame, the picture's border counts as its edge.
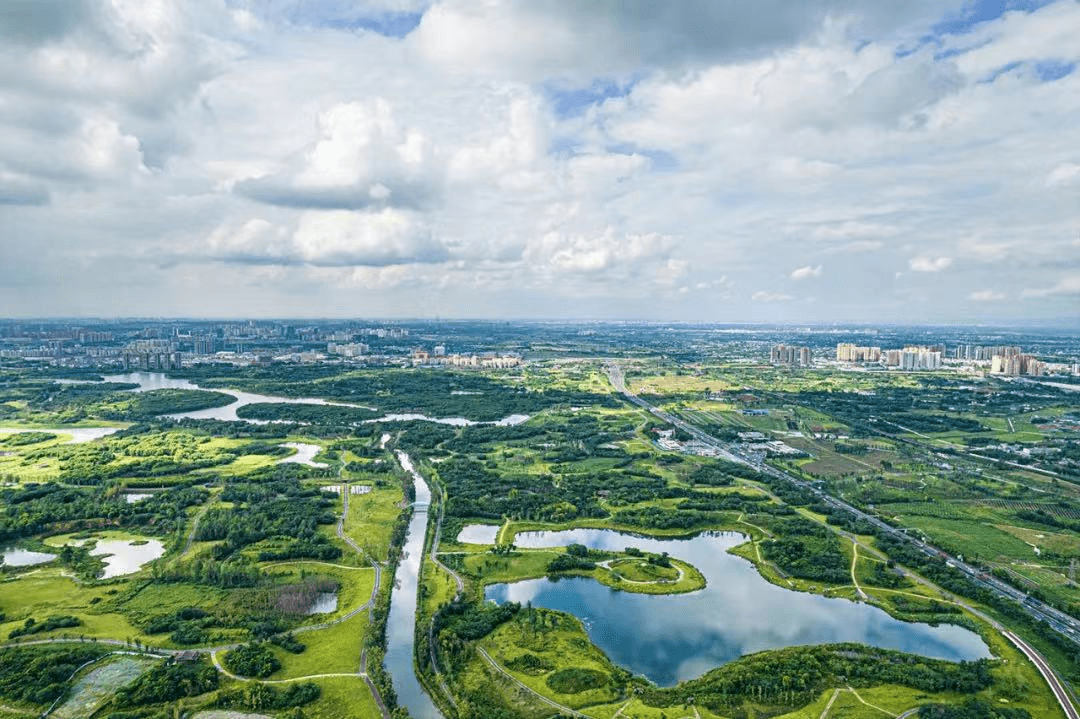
(401, 624)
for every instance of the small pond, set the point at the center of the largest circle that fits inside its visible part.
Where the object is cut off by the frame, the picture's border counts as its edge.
(124, 556)
(325, 603)
(478, 534)
(305, 454)
(16, 557)
(671, 638)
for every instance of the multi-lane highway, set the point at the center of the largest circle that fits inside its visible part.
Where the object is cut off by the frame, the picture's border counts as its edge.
(1056, 619)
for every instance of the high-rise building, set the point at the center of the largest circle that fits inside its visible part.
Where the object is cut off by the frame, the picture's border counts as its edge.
(847, 352)
(791, 356)
(1017, 364)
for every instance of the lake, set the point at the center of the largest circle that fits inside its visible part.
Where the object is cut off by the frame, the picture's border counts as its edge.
(478, 534)
(15, 557)
(672, 638)
(122, 556)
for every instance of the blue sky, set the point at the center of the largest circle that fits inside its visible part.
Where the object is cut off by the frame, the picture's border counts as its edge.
(746, 161)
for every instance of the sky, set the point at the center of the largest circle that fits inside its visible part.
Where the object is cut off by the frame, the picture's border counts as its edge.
(695, 160)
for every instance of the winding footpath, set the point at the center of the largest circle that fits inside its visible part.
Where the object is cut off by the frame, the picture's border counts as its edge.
(507, 675)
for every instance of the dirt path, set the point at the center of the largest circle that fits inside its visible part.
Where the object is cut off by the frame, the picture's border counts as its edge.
(825, 711)
(550, 702)
(872, 706)
(854, 560)
(195, 525)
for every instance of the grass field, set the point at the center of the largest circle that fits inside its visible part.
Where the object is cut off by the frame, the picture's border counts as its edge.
(342, 697)
(371, 517)
(332, 650)
(45, 592)
(972, 539)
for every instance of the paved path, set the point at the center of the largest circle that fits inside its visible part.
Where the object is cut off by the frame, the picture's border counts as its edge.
(825, 711)
(1047, 673)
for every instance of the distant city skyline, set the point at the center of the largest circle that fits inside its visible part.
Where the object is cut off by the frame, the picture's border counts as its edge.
(829, 161)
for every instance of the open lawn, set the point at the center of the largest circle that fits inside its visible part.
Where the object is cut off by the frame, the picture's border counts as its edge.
(342, 697)
(332, 650)
(45, 592)
(371, 518)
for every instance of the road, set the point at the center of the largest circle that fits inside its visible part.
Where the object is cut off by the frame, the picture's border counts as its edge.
(1059, 621)
(1047, 673)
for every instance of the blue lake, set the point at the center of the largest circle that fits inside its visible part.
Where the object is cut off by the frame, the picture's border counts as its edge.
(672, 638)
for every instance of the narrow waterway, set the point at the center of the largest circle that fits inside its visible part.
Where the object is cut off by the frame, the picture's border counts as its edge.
(401, 625)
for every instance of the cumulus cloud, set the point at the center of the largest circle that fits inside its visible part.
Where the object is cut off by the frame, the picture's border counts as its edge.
(573, 40)
(806, 272)
(331, 239)
(363, 157)
(597, 253)
(929, 264)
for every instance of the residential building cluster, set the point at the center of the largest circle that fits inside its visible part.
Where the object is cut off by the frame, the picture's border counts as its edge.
(350, 350)
(911, 358)
(490, 360)
(791, 356)
(1003, 359)
(984, 352)
(1017, 364)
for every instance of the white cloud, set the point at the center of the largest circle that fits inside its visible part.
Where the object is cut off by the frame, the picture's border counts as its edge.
(362, 158)
(762, 296)
(1065, 287)
(597, 253)
(929, 264)
(1067, 173)
(986, 296)
(334, 238)
(806, 272)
